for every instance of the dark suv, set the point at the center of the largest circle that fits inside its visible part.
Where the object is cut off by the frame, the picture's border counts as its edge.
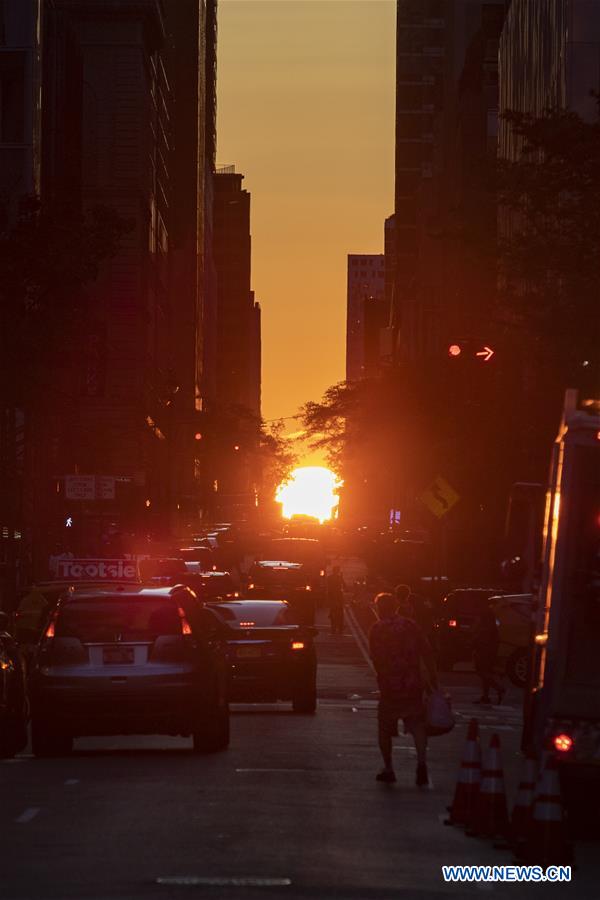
(135, 661)
(455, 625)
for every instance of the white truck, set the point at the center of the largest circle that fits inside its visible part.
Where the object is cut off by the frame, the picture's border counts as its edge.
(562, 709)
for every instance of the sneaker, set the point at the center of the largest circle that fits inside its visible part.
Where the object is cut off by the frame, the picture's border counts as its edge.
(387, 776)
(422, 778)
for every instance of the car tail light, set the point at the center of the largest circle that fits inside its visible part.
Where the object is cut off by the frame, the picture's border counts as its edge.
(452, 623)
(250, 587)
(247, 624)
(562, 742)
(322, 573)
(185, 625)
(298, 645)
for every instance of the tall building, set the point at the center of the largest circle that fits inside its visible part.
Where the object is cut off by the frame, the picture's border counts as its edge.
(236, 307)
(20, 84)
(446, 119)
(367, 315)
(549, 57)
(236, 405)
(117, 108)
(191, 70)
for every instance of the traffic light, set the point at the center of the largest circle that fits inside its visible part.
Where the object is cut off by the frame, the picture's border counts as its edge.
(470, 348)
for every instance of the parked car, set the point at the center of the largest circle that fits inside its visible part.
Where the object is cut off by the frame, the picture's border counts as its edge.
(271, 657)
(514, 617)
(455, 624)
(140, 661)
(13, 694)
(277, 579)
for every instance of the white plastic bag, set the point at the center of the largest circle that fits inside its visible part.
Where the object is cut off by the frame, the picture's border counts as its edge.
(440, 718)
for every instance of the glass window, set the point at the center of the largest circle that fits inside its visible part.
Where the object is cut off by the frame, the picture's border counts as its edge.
(116, 619)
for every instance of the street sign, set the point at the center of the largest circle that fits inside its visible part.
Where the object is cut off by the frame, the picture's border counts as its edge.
(439, 497)
(96, 570)
(105, 487)
(80, 487)
(485, 354)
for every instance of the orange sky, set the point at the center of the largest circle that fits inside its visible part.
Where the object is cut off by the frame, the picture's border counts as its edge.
(306, 113)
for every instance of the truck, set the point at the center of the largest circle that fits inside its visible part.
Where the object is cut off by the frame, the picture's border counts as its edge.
(562, 707)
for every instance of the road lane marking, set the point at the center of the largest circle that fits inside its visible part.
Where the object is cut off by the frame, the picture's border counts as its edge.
(29, 814)
(223, 881)
(358, 636)
(276, 770)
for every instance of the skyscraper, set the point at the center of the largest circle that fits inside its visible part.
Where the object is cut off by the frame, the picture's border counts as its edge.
(367, 314)
(446, 115)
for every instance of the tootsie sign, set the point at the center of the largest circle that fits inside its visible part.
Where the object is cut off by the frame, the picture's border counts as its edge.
(96, 570)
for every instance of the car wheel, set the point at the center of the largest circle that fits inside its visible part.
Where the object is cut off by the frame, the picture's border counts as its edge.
(517, 667)
(46, 742)
(212, 733)
(305, 699)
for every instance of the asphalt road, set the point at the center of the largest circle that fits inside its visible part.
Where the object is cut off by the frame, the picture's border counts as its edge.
(291, 810)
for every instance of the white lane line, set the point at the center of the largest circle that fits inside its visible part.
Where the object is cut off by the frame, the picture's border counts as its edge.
(71, 781)
(29, 814)
(223, 881)
(275, 770)
(358, 636)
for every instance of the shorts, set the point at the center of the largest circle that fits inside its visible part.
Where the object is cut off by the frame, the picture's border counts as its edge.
(411, 711)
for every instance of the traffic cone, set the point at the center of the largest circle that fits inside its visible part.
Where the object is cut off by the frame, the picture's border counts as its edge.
(547, 842)
(469, 776)
(520, 823)
(490, 817)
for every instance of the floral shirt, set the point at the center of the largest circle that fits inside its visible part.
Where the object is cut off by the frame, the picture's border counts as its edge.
(396, 646)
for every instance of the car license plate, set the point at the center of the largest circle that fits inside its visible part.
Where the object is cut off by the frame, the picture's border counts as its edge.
(248, 652)
(117, 656)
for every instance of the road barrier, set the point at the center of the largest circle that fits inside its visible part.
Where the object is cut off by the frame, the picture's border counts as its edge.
(469, 779)
(490, 818)
(547, 842)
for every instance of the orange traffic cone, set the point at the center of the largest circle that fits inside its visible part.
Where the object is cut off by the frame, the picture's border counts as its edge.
(520, 823)
(469, 776)
(547, 842)
(490, 817)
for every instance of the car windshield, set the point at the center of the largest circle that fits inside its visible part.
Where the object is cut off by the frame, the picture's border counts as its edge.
(118, 619)
(262, 615)
(160, 568)
(468, 603)
(214, 585)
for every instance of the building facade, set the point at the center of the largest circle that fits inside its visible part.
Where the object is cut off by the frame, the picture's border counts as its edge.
(549, 57)
(367, 315)
(446, 121)
(235, 410)
(114, 104)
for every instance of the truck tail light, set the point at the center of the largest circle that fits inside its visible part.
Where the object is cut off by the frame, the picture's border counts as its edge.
(562, 742)
(185, 625)
(298, 645)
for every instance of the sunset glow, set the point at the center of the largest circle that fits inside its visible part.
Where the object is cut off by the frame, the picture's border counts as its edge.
(311, 491)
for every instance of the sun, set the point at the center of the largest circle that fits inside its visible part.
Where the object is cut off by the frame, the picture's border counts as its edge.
(310, 491)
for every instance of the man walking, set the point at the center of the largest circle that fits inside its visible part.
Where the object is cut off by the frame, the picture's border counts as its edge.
(398, 648)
